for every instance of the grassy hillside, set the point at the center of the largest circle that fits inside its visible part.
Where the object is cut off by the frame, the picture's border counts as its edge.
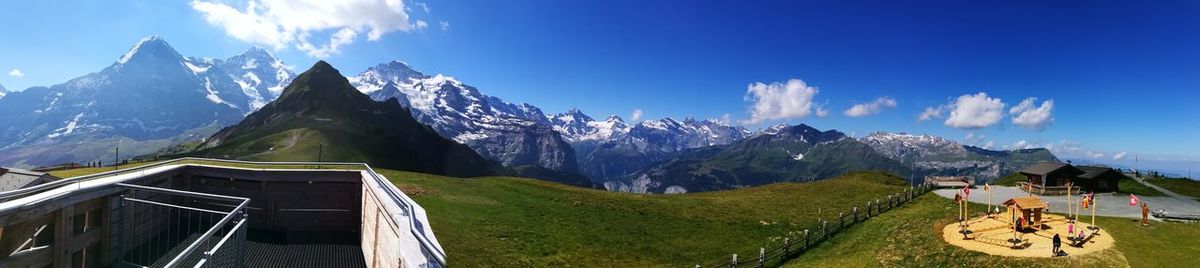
(910, 237)
(1181, 186)
(513, 222)
(509, 222)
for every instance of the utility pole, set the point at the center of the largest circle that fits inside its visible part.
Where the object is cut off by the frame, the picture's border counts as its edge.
(117, 158)
(320, 150)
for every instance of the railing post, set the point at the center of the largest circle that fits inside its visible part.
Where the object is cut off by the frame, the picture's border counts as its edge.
(733, 263)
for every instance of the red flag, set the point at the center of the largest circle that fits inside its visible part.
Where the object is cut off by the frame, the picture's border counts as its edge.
(1133, 200)
(967, 190)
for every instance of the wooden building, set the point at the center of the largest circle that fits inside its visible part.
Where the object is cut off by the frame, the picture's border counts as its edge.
(1053, 178)
(12, 179)
(1050, 178)
(950, 181)
(1100, 179)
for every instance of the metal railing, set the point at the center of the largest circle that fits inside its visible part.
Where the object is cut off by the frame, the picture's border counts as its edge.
(417, 228)
(187, 254)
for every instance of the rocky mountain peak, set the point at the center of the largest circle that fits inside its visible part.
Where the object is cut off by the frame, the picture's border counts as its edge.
(150, 50)
(614, 118)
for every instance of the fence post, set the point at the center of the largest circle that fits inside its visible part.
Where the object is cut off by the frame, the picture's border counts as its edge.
(856, 214)
(762, 256)
(805, 239)
(787, 246)
(841, 221)
(824, 230)
(733, 263)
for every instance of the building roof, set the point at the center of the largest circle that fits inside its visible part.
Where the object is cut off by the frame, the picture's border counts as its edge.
(12, 179)
(1026, 202)
(1044, 168)
(1091, 172)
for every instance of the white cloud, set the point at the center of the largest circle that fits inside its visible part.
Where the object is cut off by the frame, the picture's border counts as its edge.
(423, 6)
(725, 119)
(422, 24)
(975, 111)
(1028, 115)
(445, 25)
(282, 23)
(1021, 144)
(636, 115)
(870, 108)
(970, 135)
(931, 113)
(793, 99)
(16, 73)
(989, 145)
(821, 112)
(1071, 149)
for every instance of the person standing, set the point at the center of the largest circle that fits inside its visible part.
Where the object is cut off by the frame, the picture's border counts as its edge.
(1145, 214)
(1057, 243)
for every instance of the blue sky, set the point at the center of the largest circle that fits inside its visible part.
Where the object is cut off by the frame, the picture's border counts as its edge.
(1123, 76)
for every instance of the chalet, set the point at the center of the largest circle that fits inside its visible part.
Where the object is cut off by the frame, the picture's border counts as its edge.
(1049, 177)
(12, 179)
(1053, 178)
(1100, 179)
(950, 181)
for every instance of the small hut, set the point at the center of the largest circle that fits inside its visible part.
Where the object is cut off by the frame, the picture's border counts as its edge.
(1030, 208)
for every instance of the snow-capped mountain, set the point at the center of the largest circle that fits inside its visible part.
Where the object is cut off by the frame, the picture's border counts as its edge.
(3, 91)
(576, 127)
(512, 134)
(259, 75)
(668, 135)
(907, 147)
(150, 98)
(612, 148)
(933, 155)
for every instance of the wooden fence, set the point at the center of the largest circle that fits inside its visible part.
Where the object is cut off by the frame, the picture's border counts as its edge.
(793, 246)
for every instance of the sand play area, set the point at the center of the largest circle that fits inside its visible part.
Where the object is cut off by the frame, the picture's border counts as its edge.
(992, 235)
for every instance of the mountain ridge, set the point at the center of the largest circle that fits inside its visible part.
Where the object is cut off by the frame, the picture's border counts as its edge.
(320, 106)
(149, 98)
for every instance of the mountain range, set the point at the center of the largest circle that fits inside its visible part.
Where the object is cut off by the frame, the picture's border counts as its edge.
(150, 98)
(516, 135)
(153, 98)
(321, 116)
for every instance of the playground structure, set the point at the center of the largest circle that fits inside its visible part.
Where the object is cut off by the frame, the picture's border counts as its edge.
(1024, 230)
